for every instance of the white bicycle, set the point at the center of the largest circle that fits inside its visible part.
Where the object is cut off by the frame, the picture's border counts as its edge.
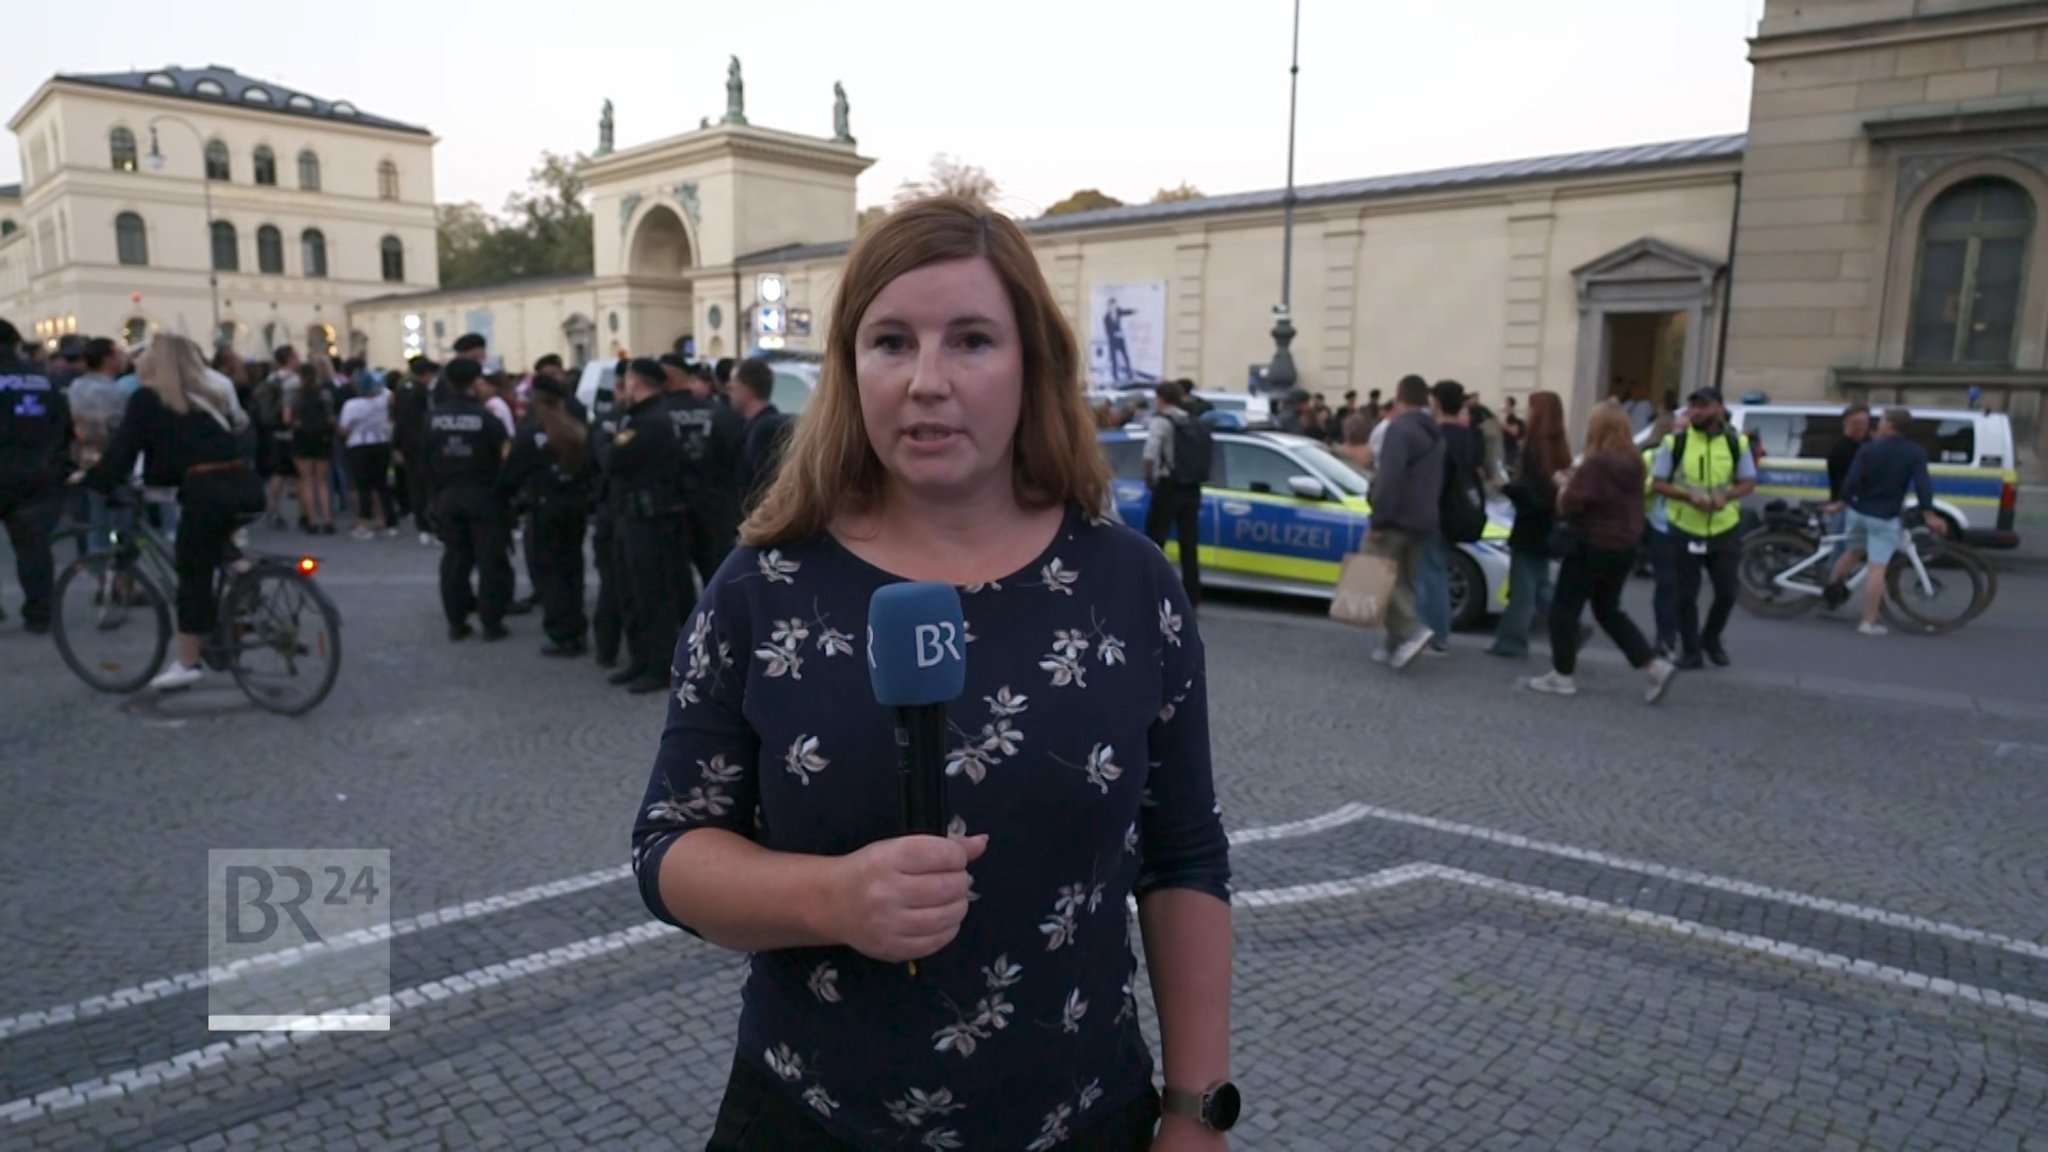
(1932, 586)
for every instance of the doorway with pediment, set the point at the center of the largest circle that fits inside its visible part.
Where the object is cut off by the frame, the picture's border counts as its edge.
(1646, 312)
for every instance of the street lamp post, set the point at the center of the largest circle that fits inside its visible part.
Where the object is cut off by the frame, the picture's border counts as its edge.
(1280, 374)
(156, 164)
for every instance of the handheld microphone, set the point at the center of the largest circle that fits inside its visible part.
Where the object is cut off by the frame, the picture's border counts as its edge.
(917, 661)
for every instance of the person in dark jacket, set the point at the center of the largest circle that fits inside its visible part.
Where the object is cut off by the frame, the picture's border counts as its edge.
(765, 429)
(1603, 502)
(1533, 492)
(35, 431)
(1463, 476)
(641, 472)
(551, 466)
(1873, 504)
(1407, 495)
(410, 406)
(186, 427)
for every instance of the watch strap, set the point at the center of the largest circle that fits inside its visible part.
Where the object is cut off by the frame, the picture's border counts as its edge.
(1182, 1102)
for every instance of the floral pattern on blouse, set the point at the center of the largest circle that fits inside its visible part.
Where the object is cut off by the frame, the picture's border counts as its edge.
(1080, 747)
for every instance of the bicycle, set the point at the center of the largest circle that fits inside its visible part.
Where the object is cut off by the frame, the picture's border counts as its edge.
(1785, 565)
(113, 619)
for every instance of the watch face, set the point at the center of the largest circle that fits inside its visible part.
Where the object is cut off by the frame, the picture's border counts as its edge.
(1224, 1105)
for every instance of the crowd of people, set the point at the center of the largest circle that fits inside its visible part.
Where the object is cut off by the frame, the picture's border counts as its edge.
(656, 476)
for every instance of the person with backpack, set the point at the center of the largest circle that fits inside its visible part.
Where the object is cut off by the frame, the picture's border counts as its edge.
(1703, 471)
(1178, 448)
(1461, 516)
(309, 413)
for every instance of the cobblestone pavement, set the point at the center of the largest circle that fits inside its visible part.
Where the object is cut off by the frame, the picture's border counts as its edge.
(1764, 915)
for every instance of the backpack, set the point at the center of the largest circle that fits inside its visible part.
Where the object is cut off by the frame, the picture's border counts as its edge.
(315, 412)
(267, 403)
(1678, 449)
(1193, 446)
(1462, 509)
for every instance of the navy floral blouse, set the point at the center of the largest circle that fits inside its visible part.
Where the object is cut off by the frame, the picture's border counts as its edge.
(1081, 747)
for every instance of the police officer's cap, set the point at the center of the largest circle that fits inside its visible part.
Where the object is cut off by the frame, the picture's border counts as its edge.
(462, 372)
(647, 369)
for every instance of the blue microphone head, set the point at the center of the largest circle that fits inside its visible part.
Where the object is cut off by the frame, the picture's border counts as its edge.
(917, 644)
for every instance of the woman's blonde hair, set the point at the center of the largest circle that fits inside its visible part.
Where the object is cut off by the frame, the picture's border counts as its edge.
(830, 469)
(172, 367)
(1608, 430)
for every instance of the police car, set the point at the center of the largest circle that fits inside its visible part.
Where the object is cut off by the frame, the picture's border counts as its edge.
(1969, 454)
(1280, 513)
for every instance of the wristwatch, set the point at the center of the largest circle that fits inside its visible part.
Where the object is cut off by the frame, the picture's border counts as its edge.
(1216, 1107)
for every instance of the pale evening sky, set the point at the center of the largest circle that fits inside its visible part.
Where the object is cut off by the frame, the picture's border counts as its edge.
(1049, 96)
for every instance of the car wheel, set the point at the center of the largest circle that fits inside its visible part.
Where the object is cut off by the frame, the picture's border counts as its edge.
(1468, 591)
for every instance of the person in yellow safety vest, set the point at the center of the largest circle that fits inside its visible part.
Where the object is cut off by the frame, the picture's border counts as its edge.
(1657, 545)
(1704, 472)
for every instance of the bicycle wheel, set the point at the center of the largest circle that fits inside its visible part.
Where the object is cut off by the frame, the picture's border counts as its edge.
(1964, 556)
(112, 623)
(1952, 596)
(1765, 555)
(283, 638)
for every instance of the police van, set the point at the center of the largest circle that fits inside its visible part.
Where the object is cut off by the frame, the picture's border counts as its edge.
(1969, 454)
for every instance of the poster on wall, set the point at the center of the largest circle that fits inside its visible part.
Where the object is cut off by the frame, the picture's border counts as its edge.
(1127, 333)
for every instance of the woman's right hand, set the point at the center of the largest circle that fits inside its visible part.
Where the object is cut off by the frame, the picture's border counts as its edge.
(904, 898)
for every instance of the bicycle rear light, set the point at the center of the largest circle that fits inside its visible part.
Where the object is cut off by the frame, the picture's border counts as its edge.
(308, 565)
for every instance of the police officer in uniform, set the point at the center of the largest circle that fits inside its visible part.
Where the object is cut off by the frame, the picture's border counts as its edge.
(550, 465)
(466, 446)
(35, 431)
(645, 461)
(711, 434)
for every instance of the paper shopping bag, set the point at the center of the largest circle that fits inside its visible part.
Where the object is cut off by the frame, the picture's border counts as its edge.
(1363, 587)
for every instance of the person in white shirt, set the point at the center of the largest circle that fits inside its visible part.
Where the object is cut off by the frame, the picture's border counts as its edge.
(366, 427)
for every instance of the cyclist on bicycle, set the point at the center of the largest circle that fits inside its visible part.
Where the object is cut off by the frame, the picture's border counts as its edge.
(184, 421)
(1875, 493)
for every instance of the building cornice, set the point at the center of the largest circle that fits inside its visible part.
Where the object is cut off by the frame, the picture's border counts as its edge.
(2019, 16)
(722, 141)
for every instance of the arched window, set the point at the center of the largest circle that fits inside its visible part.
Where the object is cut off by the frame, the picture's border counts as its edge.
(217, 160)
(387, 180)
(313, 252)
(266, 165)
(393, 253)
(227, 250)
(1973, 253)
(131, 239)
(269, 251)
(121, 143)
(309, 171)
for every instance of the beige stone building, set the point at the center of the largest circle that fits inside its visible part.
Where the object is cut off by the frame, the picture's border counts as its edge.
(139, 186)
(1890, 244)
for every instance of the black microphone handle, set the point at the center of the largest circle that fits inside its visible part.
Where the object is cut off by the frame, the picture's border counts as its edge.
(921, 768)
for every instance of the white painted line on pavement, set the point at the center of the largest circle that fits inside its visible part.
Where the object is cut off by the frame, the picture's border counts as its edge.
(191, 981)
(1958, 932)
(1333, 889)
(286, 957)
(1763, 945)
(188, 1063)
(2007, 750)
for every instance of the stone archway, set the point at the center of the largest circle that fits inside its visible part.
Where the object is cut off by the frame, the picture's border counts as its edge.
(657, 291)
(661, 245)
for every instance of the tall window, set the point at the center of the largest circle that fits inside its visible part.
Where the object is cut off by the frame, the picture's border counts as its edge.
(387, 180)
(309, 171)
(313, 252)
(393, 253)
(266, 165)
(269, 251)
(217, 161)
(1973, 253)
(227, 254)
(121, 143)
(131, 239)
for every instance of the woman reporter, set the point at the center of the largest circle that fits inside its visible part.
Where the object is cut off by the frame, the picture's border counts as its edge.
(949, 440)
(185, 424)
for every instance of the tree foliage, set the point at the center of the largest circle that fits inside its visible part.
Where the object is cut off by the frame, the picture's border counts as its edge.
(1085, 200)
(951, 177)
(1185, 191)
(870, 216)
(543, 230)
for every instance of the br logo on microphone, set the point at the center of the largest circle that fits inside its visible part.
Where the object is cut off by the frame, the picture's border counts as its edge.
(916, 637)
(299, 939)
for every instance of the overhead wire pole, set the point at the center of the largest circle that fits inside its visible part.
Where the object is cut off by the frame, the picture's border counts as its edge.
(156, 163)
(1280, 374)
